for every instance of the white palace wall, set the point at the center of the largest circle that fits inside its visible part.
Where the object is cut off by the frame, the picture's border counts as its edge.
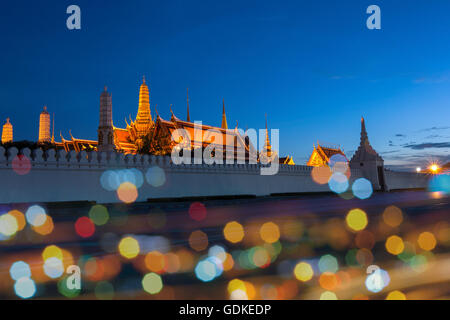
(406, 180)
(77, 177)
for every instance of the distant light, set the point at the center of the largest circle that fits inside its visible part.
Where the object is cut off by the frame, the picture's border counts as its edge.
(338, 183)
(427, 241)
(233, 232)
(418, 169)
(434, 168)
(127, 192)
(36, 216)
(362, 188)
(53, 267)
(328, 295)
(303, 271)
(99, 214)
(20, 269)
(394, 245)
(328, 263)
(269, 232)
(155, 176)
(25, 288)
(396, 295)
(356, 219)
(84, 227)
(8, 225)
(197, 211)
(206, 270)
(393, 216)
(129, 247)
(152, 283)
(377, 280)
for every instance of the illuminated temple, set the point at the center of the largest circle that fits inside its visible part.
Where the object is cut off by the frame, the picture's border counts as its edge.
(7, 132)
(147, 135)
(321, 155)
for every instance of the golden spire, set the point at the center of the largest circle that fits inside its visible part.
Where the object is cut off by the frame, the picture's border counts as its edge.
(44, 126)
(267, 149)
(53, 129)
(188, 118)
(144, 117)
(7, 133)
(224, 117)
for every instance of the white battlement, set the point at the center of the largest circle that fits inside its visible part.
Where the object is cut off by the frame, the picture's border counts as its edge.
(60, 176)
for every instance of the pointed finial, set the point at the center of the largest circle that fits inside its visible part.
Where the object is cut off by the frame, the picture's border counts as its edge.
(188, 117)
(53, 129)
(7, 120)
(45, 108)
(156, 111)
(224, 117)
(105, 88)
(143, 79)
(266, 120)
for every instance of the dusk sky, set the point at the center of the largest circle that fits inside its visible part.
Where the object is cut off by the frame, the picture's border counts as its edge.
(312, 66)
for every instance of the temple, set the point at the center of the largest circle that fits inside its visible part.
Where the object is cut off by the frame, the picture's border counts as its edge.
(7, 133)
(321, 155)
(155, 136)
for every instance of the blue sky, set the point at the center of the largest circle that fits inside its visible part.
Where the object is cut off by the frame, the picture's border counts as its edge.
(312, 66)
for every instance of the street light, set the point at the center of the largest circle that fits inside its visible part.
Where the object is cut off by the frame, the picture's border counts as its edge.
(434, 168)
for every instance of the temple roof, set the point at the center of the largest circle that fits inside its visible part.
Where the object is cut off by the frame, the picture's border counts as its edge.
(228, 135)
(321, 155)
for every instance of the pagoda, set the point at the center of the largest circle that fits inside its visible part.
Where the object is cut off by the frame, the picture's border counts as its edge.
(7, 133)
(369, 161)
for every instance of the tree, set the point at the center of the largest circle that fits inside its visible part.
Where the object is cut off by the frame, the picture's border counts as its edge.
(155, 142)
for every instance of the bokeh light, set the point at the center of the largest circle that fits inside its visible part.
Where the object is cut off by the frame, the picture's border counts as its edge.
(197, 211)
(198, 240)
(99, 214)
(152, 283)
(393, 216)
(8, 225)
(155, 176)
(129, 247)
(21, 164)
(328, 295)
(303, 271)
(25, 288)
(53, 267)
(20, 269)
(127, 192)
(427, 241)
(269, 232)
(328, 263)
(233, 232)
(396, 295)
(394, 245)
(20, 218)
(338, 183)
(362, 188)
(321, 175)
(356, 220)
(377, 280)
(84, 227)
(36, 215)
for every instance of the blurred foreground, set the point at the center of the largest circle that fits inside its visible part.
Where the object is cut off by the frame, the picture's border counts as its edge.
(392, 245)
